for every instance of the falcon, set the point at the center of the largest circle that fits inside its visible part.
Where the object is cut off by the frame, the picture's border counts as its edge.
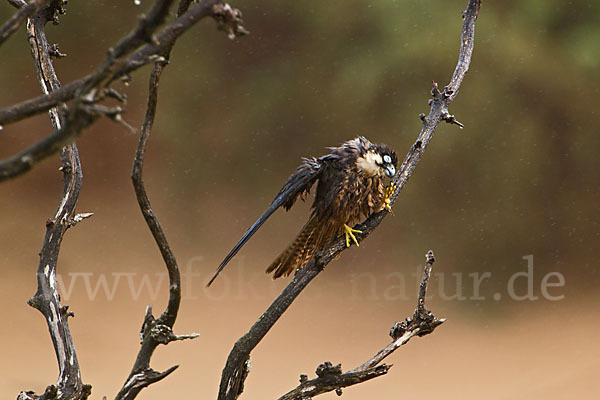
(350, 188)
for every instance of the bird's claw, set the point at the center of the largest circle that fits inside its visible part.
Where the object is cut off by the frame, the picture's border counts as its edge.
(349, 232)
(386, 203)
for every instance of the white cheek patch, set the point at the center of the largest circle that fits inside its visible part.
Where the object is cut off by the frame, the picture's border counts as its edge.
(369, 163)
(374, 158)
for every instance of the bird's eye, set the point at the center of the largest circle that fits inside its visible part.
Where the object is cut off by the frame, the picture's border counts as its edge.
(387, 159)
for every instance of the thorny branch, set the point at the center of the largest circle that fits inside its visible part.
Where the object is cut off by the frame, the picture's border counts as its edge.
(330, 378)
(47, 299)
(139, 48)
(237, 366)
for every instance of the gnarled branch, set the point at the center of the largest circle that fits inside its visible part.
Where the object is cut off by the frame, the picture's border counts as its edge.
(222, 12)
(89, 90)
(47, 299)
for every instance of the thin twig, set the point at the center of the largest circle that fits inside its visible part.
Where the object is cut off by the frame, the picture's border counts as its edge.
(236, 368)
(421, 323)
(331, 378)
(160, 330)
(154, 331)
(47, 299)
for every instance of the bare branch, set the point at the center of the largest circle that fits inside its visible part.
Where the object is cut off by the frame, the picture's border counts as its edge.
(22, 162)
(421, 323)
(47, 299)
(87, 92)
(142, 33)
(441, 101)
(40, 104)
(331, 378)
(142, 197)
(143, 379)
(92, 88)
(26, 10)
(235, 370)
(154, 331)
(144, 55)
(83, 117)
(222, 12)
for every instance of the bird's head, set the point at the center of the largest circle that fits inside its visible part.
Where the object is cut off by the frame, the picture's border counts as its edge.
(378, 159)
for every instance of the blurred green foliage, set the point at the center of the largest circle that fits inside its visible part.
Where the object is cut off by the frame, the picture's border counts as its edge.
(236, 116)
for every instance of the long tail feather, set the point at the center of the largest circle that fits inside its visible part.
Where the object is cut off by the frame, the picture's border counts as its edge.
(297, 185)
(243, 241)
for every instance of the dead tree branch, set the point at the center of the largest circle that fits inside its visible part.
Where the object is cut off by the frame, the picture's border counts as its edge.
(236, 368)
(330, 378)
(160, 330)
(47, 299)
(142, 33)
(154, 331)
(74, 124)
(69, 122)
(422, 322)
(26, 10)
(224, 14)
(139, 48)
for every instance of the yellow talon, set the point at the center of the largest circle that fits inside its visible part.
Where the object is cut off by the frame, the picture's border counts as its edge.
(386, 203)
(350, 234)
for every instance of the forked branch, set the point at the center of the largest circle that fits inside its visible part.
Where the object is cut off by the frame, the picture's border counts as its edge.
(26, 10)
(330, 378)
(155, 331)
(69, 122)
(139, 48)
(159, 330)
(236, 367)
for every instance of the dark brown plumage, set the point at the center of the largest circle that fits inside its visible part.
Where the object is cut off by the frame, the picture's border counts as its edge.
(350, 188)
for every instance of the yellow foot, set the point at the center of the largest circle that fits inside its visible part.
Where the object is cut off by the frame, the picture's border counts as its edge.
(350, 234)
(386, 203)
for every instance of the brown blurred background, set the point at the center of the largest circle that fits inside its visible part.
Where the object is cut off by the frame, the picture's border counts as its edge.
(234, 119)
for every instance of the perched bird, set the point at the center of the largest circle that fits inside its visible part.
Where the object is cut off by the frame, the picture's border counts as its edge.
(350, 188)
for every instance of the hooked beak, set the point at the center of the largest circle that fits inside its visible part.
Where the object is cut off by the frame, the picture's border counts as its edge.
(390, 171)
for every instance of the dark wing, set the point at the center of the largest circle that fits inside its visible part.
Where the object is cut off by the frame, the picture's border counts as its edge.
(297, 185)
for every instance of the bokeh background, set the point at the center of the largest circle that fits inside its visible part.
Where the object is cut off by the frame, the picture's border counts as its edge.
(517, 188)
